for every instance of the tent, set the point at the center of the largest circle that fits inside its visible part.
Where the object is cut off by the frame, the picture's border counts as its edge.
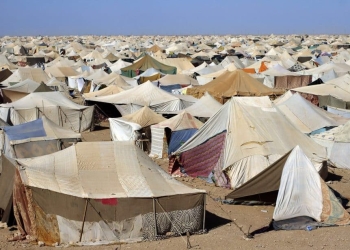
(19, 90)
(54, 105)
(183, 80)
(337, 142)
(236, 83)
(243, 138)
(109, 90)
(205, 107)
(146, 94)
(21, 74)
(36, 138)
(135, 127)
(334, 93)
(299, 192)
(306, 117)
(145, 63)
(6, 189)
(102, 192)
(169, 135)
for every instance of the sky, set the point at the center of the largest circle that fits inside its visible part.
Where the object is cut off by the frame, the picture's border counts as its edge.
(173, 17)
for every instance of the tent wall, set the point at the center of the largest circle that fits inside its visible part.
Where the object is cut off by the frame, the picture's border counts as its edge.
(76, 120)
(55, 217)
(201, 160)
(158, 142)
(290, 82)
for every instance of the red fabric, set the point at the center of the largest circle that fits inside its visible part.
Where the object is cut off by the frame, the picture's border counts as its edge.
(110, 201)
(201, 160)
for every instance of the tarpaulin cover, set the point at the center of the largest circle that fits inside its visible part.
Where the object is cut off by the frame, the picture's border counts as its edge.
(169, 88)
(178, 138)
(26, 130)
(302, 192)
(145, 63)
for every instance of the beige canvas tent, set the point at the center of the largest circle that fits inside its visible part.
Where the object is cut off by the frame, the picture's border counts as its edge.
(54, 105)
(102, 192)
(243, 138)
(36, 138)
(236, 83)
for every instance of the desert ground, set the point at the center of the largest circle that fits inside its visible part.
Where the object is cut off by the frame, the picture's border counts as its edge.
(227, 225)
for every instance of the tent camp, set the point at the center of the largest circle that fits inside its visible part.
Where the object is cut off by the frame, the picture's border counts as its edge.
(243, 138)
(54, 105)
(169, 135)
(125, 195)
(36, 138)
(302, 198)
(236, 83)
(145, 63)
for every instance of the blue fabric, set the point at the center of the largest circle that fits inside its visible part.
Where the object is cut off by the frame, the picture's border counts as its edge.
(179, 137)
(169, 88)
(26, 130)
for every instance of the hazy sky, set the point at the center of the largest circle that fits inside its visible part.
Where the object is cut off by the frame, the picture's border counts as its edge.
(173, 17)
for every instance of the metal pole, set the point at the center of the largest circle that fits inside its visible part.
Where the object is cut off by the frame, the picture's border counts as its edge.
(82, 226)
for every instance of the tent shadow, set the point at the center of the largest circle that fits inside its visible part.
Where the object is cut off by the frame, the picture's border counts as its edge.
(99, 128)
(213, 221)
(333, 177)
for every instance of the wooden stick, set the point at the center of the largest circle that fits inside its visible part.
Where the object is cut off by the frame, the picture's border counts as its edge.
(82, 226)
(155, 217)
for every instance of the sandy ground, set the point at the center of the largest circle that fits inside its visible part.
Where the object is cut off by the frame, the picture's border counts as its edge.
(226, 224)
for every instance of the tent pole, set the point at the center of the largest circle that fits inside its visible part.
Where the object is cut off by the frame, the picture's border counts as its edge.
(155, 217)
(204, 208)
(82, 226)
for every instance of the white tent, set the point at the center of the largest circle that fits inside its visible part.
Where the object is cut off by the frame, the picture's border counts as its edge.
(244, 137)
(54, 105)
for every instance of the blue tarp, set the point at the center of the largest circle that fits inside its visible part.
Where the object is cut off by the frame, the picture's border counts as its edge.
(180, 137)
(25, 130)
(169, 88)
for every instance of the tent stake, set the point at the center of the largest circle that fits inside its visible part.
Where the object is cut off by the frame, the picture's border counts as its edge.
(82, 226)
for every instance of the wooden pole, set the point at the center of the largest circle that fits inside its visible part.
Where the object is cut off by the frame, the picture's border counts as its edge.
(204, 212)
(82, 226)
(155, 217)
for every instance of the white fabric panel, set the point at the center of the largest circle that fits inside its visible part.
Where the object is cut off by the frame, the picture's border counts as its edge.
(339, 155)
(123, 130)
(300, 189)
(245, 169)
(338, 111)
(307, 117)
(72, 83)
(157, 142)
(269, 81)
(99, 232)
